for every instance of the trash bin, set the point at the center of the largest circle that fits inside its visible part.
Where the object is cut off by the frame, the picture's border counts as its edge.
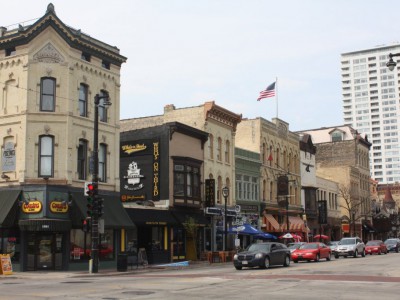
(122, 262)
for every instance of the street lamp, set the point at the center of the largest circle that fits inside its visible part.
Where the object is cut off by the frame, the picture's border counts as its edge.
(95, 180)
(225, 193)
(391, 63)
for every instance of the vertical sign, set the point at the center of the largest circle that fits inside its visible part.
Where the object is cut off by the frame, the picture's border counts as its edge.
(210, 193)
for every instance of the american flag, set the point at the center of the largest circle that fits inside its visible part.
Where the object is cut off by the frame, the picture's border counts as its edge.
(268, 92)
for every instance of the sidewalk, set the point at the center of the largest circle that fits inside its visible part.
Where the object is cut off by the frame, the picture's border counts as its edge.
(111, 272)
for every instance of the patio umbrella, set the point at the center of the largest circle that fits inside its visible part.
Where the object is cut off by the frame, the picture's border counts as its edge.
(291, 236)
(265, 236)
(321, 236)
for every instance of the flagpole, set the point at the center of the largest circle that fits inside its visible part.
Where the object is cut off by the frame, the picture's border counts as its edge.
(276, 96)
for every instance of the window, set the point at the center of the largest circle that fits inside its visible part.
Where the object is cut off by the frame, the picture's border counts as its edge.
(105, 64)
(337, 136)
(211, 146)
(46, 156)
(102, 107)
(82, 158)
(102, 163)
(85, 56)
(83, 100)
(81, 247)
(47, 94)
(227, 151)
(219, 149)
(186, 179)
(10, 51)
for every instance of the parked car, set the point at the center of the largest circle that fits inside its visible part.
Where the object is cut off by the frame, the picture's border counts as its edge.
(262, 255)
(312, 251)
(349, 246)
(294, 246)
(375, 247)
(332, 244)
(393, 245)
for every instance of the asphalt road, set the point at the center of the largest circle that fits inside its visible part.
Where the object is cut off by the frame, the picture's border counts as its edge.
(371, 277)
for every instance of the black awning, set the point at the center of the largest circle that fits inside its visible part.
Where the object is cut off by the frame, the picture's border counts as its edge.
(368, 228)
(145, 216)
(199, 218)
(115, 216)
(8, 207)
(44, 225)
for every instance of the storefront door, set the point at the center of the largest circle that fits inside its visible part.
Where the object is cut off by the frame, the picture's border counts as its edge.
(44, 251)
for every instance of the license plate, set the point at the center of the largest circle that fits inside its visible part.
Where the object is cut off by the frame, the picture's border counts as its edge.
(244, 262)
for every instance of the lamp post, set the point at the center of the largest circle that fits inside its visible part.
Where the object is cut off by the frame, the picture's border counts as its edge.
(391, 63)
(225, 193)
(95, 180)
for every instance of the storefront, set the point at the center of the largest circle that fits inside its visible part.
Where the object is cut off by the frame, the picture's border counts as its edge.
(42, 229)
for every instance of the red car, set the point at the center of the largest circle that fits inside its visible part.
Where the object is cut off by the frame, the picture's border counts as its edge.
(376, 247)
(312, 251)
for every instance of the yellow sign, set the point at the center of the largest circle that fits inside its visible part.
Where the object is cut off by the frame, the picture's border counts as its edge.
(33, 207)
(129, 149)
(5, 264)
(58, 207)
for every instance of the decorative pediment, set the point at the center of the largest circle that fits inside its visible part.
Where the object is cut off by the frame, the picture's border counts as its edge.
(48, 54)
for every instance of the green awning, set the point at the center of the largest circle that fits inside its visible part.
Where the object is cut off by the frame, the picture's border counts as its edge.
(115, 216)
(8, 207)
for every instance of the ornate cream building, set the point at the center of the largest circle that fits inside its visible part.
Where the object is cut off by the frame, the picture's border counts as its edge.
(49, 76)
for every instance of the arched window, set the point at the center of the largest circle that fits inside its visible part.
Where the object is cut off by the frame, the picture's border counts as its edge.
(83, 100)
(46, 156)
(102, 163)
(102, 108)
(211, 146)
(227, 151)
(219, 149)
(219, 189)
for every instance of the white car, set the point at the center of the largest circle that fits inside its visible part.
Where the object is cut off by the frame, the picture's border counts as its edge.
(349, 246)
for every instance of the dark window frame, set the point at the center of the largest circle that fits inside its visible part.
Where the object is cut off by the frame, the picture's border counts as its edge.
(86, 56)
(103, 115)
(82, 159)
(47, 97)
(83, 99)
(187, 179)
(44, 156)
(102, 162)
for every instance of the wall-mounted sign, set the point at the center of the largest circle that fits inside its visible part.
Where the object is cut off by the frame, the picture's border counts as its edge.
(140, 163)
(33, 207)
(8, 157)
(58, 207)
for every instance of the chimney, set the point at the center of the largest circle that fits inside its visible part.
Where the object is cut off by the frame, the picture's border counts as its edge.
(169, 107)
(2, 30)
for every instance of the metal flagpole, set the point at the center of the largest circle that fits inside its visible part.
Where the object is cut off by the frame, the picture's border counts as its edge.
(276, 95)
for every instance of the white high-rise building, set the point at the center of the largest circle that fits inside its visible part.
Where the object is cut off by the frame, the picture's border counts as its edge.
(371, 105)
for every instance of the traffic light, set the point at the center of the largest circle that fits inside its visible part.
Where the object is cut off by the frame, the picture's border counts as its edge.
(100, 206)
(90, 199)
(86, 225)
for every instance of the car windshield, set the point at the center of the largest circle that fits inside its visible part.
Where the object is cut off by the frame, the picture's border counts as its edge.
(347, 242)
(390, 242)
(259, 248)
(373, 243)
(309, 246)
(294, 246)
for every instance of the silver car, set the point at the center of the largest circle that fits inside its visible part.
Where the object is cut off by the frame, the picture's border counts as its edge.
(349, 246)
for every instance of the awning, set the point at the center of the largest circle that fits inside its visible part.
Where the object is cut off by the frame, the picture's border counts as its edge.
(8, 207)
(44, 225)
(245, 229)
(368, 228)
(115, 216)
(199, 218)
(296, 224)
(145, 216)
(271, 224)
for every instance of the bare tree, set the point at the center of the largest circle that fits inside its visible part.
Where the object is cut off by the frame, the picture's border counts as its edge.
(351, 204)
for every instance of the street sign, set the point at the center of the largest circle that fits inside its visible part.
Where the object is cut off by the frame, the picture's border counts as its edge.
(237, 223)
(237, 208)
(213, 211)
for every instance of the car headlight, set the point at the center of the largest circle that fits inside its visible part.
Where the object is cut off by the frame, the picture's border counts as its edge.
(258, 255)
(235, 257)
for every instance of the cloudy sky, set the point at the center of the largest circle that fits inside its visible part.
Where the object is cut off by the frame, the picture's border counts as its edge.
(187, 52)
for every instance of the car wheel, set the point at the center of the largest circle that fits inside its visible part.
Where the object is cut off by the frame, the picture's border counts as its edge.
(317, 258)
(379, 252)
(363, 253)
(295, 261)
(287, 261)
(355, 253)
(336, 256)
(329, 257)
(238, 268)
(266, 263)
(397, 250)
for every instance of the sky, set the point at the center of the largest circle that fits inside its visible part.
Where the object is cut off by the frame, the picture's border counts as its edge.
(187, 52)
